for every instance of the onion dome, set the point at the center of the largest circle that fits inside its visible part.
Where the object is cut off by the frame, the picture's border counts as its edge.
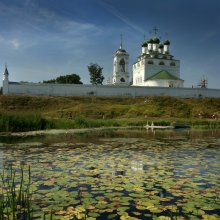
(156, 40)
(144, 44)
(150, 41)
(160, 46)
(166, 42)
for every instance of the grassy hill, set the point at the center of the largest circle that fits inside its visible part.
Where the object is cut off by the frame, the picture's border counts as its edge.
(71, 112)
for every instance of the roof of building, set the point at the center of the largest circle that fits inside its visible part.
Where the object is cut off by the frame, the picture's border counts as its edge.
(161, 46)
(144, 44)
(120, 50)
(150, 41)
(166, 42)
(164, 75)
(156, 40)
(6, 71)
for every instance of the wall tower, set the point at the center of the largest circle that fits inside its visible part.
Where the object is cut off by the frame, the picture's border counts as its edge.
(5, 81)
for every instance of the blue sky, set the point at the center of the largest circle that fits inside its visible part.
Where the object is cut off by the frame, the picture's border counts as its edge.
(43, 39)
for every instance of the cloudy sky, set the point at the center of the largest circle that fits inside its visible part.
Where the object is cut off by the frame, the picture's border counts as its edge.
(43, 39)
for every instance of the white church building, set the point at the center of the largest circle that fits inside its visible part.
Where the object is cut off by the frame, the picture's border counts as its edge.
(154, 67)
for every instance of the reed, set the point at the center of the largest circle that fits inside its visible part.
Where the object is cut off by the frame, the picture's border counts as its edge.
(22, 121)
(15, 197)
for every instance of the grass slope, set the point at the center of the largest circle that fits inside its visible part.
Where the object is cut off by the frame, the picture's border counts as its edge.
(72, 112)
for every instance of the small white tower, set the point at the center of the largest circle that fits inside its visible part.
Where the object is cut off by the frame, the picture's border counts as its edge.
(156, 42)
(120, 67)
(166, 47)
(5, 81)
(150, 45)
(144, 47)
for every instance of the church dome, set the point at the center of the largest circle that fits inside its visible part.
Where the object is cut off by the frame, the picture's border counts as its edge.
(161, 46)
(144, 44)
(156, 40)
(120, 50)
(166, 42)
(150, 41)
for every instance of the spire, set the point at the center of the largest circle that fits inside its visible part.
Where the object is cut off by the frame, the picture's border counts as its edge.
(6, 74)
(6, 70)
(121, 43)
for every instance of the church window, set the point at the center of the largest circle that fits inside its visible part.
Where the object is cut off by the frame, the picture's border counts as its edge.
(122, 80)
(150, 62)
(161, 63)
(122, 65)
(172, 64)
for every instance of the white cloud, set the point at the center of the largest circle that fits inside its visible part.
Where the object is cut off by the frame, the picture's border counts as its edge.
(117, 14)
(15, 43)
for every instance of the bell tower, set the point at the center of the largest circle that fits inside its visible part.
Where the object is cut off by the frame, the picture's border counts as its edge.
(120, 67)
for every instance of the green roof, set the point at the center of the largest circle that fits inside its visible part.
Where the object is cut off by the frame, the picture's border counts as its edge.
(163, 75)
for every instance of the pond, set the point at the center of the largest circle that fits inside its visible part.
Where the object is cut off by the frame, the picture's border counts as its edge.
(121, 174)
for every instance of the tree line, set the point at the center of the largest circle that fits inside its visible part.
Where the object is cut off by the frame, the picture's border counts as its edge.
(95, 72)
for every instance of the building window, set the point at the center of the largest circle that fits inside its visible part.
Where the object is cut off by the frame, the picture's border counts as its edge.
(172, 64)
(122, 65)
(150, 62)
(161, 63)
(122, 80)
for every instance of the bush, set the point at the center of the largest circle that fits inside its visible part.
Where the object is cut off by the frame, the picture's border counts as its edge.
(15, 122)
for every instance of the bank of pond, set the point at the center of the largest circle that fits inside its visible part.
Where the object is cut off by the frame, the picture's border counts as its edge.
(28, 121)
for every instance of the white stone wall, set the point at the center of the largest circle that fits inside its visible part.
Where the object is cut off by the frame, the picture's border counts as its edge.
(105, 90)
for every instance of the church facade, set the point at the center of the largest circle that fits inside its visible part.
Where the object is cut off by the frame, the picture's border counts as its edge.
(155, 66)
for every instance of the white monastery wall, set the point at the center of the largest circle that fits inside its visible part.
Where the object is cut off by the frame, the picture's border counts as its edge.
(105, 90)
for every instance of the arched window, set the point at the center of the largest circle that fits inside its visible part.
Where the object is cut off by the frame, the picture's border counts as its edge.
(161, 63)
(122, 65)
(122, 80)
(150, 62)
(172, 64)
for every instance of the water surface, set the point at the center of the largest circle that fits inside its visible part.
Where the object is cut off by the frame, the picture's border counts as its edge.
(117, 174)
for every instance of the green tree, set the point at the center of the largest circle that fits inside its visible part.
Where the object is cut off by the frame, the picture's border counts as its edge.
(95, 72)
(67, 79)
